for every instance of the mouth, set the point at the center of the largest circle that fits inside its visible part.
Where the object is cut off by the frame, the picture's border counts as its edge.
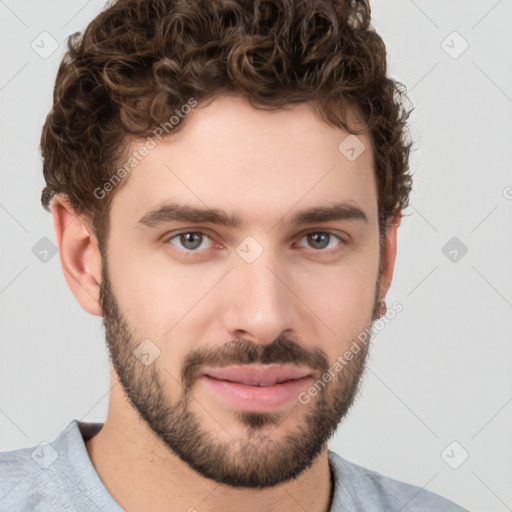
(258, 375)
(256, 388)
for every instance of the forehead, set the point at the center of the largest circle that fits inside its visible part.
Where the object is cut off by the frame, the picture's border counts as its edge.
(254, 163)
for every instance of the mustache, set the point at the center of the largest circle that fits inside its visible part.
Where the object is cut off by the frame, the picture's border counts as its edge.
(241, 351)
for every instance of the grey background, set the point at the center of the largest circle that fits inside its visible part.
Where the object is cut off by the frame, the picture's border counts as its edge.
(439, 372)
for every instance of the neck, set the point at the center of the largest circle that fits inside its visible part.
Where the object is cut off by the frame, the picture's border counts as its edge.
(141, 473)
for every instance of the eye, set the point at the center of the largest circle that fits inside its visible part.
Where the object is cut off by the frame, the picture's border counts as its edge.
(189, 240)
(194, 241)
(321, 241)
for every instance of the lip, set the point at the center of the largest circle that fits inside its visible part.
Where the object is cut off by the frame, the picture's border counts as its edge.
(230, 385)
(261, 375)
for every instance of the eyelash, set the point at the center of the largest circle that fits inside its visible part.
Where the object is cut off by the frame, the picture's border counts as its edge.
(197, 252)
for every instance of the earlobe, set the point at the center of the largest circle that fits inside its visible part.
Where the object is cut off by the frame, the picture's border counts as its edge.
(79, 254)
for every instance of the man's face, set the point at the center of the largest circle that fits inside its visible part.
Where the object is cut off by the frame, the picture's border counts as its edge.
(269, 293)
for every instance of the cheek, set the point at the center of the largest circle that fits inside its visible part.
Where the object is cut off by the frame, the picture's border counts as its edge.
(344, 297)
(341, 295)
(157, 294)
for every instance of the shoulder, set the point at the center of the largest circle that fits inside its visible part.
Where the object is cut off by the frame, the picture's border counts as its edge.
(26, 484)
(368, 490)
(57, 476)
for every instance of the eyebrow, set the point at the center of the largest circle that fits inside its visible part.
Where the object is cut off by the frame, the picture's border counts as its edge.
(169, 212)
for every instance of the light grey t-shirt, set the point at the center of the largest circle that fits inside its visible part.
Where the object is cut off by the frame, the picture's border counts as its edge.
(60, 477)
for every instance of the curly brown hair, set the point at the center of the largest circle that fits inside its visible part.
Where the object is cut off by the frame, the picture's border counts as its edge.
(139, 61)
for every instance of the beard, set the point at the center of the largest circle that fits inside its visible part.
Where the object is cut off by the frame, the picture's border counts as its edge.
(257, 460)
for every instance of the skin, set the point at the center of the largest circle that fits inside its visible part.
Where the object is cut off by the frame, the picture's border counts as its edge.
(304, 303)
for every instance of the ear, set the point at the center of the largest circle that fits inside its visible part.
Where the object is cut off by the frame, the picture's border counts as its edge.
(388, 255)
(80, 257)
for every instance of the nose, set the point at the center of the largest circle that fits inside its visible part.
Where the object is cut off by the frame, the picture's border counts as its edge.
(260, 302)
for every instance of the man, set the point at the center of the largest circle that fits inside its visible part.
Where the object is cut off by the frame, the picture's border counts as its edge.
(226, 181)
